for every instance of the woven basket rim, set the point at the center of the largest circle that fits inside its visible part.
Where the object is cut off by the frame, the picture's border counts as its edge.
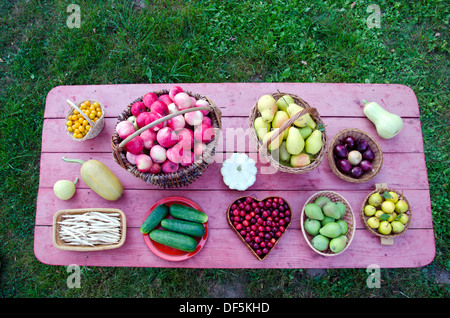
(364, 218)
(60, 244)
(350, 214)
(185, 175)
(98, 125)
(365, 177)
(254, 113)
(240, 236)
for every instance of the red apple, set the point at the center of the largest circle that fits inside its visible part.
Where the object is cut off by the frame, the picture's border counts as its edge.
(137, 108)
(135, 145)
(149, 137)
(159, 107)
(155, 168)
(143, 162)
(175, 90)
(172, 108)
(141, 119)
(125, 128)
(151, 118)
(165, 98)
(167, 137)
(175, 153)
(176, 123)
(187, 159)
(194, 118)
(207, 120)
(169, 166)
(204, 133)
(202, 103)
(199, 149)
(183, 101)
(158, 154)
(149, 98)
(131, 157)
(186, 138)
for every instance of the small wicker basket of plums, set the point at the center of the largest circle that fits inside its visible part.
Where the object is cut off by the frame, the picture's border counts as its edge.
(355, 156)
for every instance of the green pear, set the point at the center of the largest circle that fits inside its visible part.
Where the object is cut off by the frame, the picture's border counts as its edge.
(294, 141)
(403, 218)
(314, 211)
(312, 226)
(262, 127)
(294, 109)
(331, 230)
(310, 122)
(305, 132)
(342, 208)
(385, 227)
(284, 101)
(397, 226)
(284, 154)
(326, 219)
(300, 160)
(338, 244)
(276, 142)
(321, 201)
(314, 142)
(267, 107)
(344, 226)
(330, 209)
(320, 242)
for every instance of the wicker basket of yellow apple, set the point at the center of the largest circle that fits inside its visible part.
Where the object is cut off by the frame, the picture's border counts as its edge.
(288, 133)
(386, 213)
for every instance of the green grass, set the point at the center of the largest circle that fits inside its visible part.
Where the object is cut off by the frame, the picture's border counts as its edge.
(212, 41)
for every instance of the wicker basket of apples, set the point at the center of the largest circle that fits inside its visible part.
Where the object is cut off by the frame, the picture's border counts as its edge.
(167, 138)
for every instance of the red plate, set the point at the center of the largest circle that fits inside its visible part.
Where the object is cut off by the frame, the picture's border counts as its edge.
(167, 252)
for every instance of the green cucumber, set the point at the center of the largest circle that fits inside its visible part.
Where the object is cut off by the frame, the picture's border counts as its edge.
(176, 240)
(187, 213)
(185, 227)
(154, 218)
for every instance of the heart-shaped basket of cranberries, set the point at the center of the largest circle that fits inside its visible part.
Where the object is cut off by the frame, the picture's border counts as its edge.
(260, 224)
(354, 156)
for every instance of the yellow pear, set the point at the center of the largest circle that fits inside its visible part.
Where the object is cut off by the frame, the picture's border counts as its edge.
(276, 143)
(267, 107)
(294, 141)
(300, 160)
(279, 119)
(314, 142)
(304, 120)
(284, 101)
(262, 127)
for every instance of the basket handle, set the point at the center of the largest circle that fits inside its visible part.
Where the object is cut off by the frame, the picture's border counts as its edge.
(287, 124)
(72, 104)
(161, 120)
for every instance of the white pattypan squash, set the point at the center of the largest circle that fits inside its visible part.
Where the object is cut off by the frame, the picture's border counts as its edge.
(239, 171)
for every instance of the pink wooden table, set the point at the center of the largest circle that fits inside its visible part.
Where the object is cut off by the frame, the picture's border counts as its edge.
(340, 107)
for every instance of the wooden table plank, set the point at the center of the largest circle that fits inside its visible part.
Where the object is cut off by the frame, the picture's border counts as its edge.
(411, 174)
(340, 106)
(236, 99)
(135, 204)
(223, 249)
(235, 135)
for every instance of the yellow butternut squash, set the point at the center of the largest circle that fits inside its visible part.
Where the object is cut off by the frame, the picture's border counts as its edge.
(99, 178)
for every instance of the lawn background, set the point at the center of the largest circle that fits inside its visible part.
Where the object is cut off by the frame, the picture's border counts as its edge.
(213, 41)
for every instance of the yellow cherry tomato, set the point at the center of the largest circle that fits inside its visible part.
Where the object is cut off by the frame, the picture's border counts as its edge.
(81, 128)
(88, 127)
(69, 123)
(85, 122)
(87, 102)
(69, 129)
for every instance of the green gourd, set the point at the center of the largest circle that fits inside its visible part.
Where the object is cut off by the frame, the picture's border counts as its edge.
(388, 125)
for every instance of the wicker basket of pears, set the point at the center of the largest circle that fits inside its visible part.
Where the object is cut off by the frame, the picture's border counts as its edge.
(288, 132)
(386, 213)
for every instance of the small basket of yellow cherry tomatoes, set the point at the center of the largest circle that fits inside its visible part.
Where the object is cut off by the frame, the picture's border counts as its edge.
(85, 119)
